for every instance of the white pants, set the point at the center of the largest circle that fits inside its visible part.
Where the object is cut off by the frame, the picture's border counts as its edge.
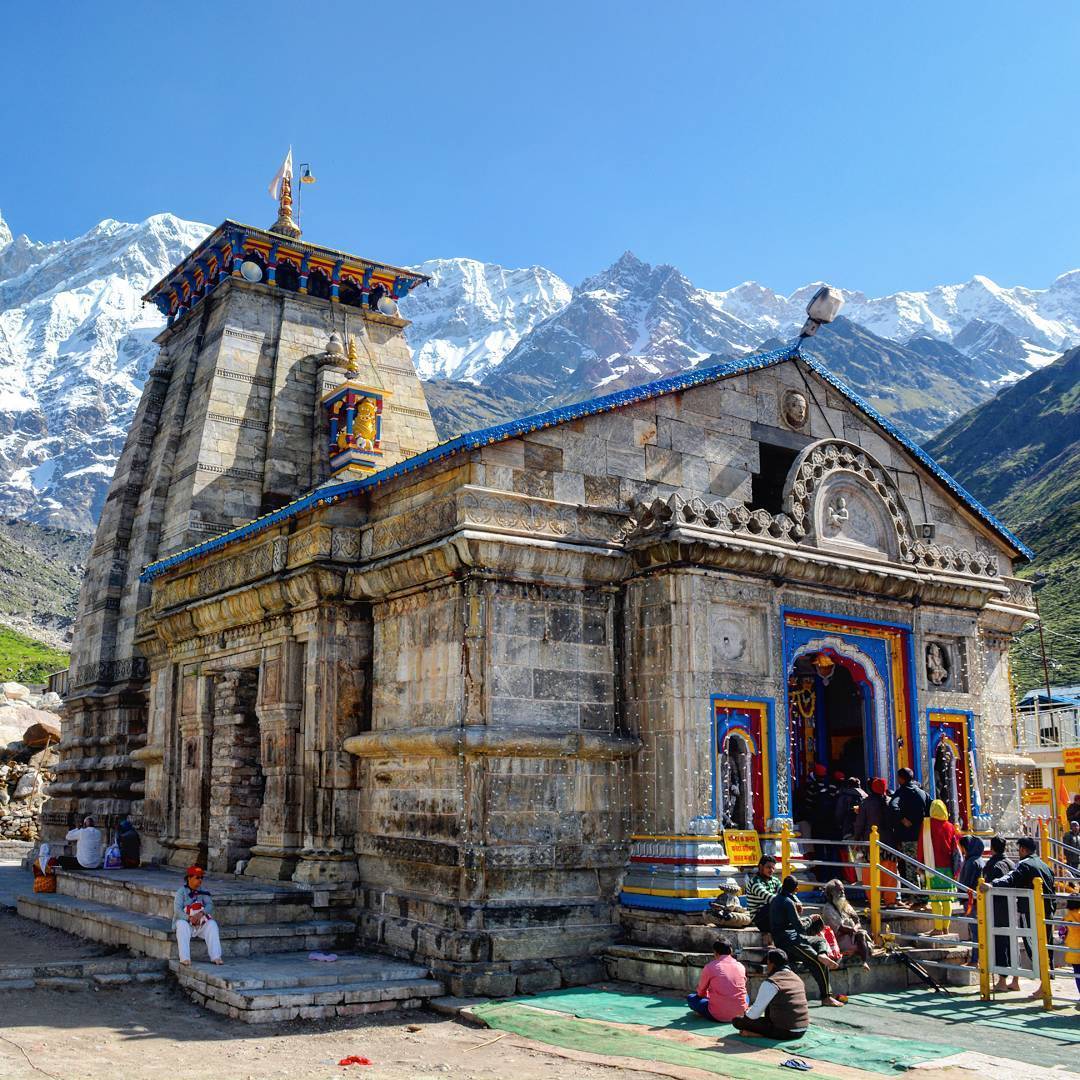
(208, 932)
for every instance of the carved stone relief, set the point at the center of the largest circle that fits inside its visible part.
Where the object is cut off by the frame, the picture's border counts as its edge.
(838, 493)
(794, 409)
(938, 663)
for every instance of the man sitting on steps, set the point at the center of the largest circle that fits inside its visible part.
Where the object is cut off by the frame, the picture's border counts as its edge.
(780, 1010)
(193, 916)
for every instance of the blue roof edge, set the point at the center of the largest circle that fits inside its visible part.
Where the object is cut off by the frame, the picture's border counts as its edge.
(333, 493)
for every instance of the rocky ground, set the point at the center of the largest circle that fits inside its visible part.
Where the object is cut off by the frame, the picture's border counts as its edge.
(29, 732)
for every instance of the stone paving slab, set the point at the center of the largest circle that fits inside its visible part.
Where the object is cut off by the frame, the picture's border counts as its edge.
(295, 969)
(290, 986)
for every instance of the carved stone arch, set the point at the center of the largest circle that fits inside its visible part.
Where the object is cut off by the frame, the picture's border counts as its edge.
(839, 496)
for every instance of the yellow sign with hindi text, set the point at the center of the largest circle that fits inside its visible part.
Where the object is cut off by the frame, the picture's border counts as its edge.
(1036, 796)
(743, 846)
(1072, 758)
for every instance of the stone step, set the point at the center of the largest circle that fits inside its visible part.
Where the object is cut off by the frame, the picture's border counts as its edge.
(151, 892)
(152, 935)
(89, 968)
(678, 970)
(289, 986)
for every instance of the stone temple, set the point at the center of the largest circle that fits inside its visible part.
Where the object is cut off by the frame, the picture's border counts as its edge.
(490, 693)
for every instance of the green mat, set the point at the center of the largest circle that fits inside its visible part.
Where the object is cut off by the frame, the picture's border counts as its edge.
(1026, 1018)
(593, 1038)
(874, 1054)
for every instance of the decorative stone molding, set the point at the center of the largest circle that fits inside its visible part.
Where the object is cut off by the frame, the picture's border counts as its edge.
(855, 474)
(480, 740)
(674, 511)
(110, 672)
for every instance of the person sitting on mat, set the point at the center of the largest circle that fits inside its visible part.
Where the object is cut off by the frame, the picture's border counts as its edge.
(721, 990)
(780, 1010)
(193, 916)
(789, 931)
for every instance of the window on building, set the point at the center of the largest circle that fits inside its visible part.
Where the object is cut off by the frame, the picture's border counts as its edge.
(287, 277)
(767, 484)
(318, 284)
(350, 294)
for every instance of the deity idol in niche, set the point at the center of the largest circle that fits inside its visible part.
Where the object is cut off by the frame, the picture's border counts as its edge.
(366, 423)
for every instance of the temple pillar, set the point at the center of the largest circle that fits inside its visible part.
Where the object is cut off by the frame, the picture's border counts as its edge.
(336, 682)
(280, 713)
(195, 730)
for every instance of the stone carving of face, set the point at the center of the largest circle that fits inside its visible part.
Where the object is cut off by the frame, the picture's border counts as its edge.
(795, 408)
(937, 664)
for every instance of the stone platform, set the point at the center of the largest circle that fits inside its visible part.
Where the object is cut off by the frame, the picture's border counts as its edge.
(267, 930)
(263, 989)
(668, 950)
(134, 908)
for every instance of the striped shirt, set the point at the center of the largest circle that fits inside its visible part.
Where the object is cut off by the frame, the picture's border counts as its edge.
(759, 891)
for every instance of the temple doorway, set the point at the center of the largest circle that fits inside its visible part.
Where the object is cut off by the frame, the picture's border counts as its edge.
(831, 715)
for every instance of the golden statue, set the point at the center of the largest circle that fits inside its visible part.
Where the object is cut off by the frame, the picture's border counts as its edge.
(365, 423)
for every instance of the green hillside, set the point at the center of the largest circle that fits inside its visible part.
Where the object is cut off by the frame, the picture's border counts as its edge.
(1020, 454)
(24, 660)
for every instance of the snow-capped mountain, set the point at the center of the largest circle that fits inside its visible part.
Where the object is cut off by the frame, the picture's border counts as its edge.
(75, 347)
(626, 325)
(1044, 320)
(471, 314)
(76, 343)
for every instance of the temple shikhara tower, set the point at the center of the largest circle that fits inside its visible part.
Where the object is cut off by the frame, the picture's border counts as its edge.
(490, 694)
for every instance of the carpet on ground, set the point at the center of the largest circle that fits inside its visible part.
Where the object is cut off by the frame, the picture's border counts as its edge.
(875, 1054)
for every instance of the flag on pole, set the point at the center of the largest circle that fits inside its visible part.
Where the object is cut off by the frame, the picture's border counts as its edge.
(284, 172)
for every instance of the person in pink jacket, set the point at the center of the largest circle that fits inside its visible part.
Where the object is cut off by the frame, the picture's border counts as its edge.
(721, 991)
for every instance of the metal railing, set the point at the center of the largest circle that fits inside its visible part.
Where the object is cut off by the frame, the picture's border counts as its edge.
(1047, 728)
(889, 873)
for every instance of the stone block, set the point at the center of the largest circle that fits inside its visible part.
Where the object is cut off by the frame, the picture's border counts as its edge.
(495, 984)
(116, 978)
(538, 981)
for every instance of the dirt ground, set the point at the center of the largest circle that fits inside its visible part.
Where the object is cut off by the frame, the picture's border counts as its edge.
(141, 1033)
(23, 941)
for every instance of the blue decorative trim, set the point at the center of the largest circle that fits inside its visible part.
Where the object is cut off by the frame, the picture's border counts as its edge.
(768, 733)
(662, 903)
(526, 424)
(878, 652)
(966, 719)
(921, 456)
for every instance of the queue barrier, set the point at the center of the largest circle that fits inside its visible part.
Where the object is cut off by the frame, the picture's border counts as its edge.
(890, 874)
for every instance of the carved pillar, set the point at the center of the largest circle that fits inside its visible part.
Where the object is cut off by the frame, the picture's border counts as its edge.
(195, 728)
(338, 669)
(236, 778)
(280, 712)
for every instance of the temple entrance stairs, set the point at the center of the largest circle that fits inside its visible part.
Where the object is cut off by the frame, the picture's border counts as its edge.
(267, 930)
(667, 950)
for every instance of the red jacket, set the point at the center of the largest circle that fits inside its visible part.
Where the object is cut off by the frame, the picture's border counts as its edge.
(945, 840)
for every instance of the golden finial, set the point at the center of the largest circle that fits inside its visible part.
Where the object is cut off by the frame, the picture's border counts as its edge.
(352, 365)
(281, 189)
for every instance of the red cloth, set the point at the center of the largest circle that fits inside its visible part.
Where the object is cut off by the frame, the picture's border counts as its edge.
(723, 982)
(945, 840)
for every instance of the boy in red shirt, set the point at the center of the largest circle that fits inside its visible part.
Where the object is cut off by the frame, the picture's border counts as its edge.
(721, 992)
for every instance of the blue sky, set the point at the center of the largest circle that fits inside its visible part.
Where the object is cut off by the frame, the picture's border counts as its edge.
(876, 146)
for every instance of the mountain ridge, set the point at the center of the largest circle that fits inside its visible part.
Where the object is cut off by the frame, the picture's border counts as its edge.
(76, 342)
